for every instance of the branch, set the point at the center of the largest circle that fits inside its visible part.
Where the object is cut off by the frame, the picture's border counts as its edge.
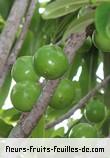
(22, 36)
(81, 103)
(8, 34)
(26, 127)
(19, 42)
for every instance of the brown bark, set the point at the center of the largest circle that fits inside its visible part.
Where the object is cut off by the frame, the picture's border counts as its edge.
(8, 34)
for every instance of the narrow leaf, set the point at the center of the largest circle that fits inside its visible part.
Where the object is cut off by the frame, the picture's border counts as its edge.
(79, 25)
(60, 8)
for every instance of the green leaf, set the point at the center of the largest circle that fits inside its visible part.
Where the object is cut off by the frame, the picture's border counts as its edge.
(4, 90)
(106, 128)
(84, 10)
(91, 59)
(36, 20)
(49, 132)
(10, 115)
(2, 23)
(27, 48)
(58, 132)
(89, 68)
(77, 92)
(74, 66)
(86, 46)
(52, 133)
(4, 129)
(39, 131)
(5, 6)
(78, 58)
(60, 8)
(84, 79)
(79, 25)
(53, 114)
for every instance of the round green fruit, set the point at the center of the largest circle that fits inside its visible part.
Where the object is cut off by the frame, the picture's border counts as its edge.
(64, 95)
(102, 19)
(83, 130)
(24, 95)
(101, 42)
(95, 111)
(23, 70)
(50, 62)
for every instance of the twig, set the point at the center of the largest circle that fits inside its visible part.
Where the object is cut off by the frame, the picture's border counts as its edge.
(19, 42)
(99, 78)
(34, 116)
(8, 34)
(81, 103)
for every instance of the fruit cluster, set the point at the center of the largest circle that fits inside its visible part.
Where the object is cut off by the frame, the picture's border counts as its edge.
(26, 91)
(51, 63)
(95, 112)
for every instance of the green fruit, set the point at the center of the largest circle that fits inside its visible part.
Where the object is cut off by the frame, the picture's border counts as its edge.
(23, 70)
(24, 95)
(83, 130)
(95, 111)
(50, 62)
(102, 19)
(64, 95)
(101, 42)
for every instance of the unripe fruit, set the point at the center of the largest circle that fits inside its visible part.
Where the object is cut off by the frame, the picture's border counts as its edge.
(83, 130)
(24, 95)
(102, 19)
(50, 62)
(95, 111)
(64, 95)
(23, 70)
(101, 42)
